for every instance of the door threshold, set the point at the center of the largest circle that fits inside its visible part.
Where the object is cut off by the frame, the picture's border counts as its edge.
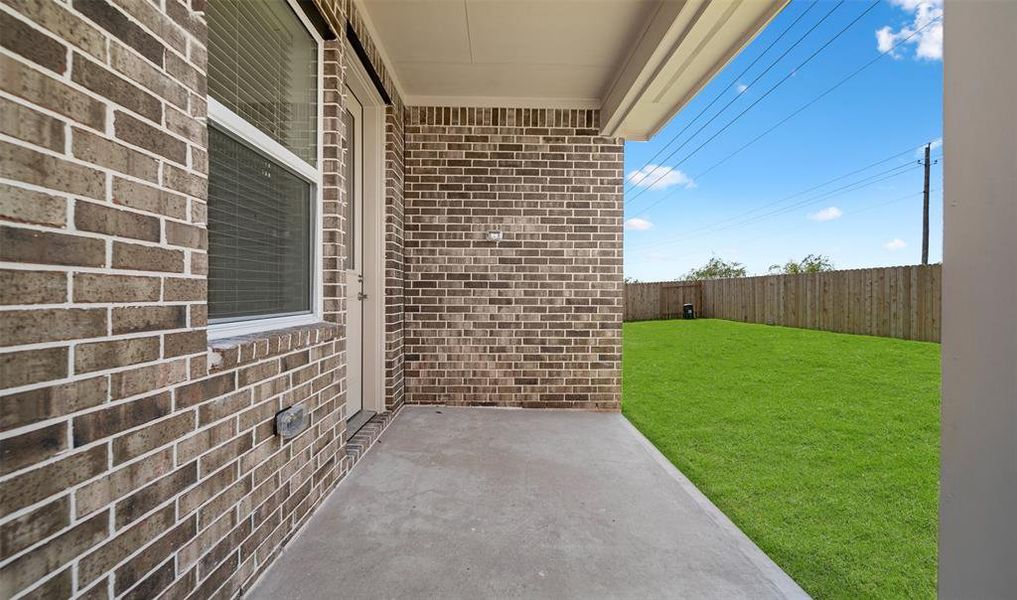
(354, 423)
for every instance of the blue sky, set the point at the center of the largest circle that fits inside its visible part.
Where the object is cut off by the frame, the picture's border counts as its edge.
(749, 208)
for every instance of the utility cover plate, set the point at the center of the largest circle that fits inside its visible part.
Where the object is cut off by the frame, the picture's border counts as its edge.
(291, 421)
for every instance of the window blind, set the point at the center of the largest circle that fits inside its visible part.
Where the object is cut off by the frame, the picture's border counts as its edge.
(262, 65)
(259, 242)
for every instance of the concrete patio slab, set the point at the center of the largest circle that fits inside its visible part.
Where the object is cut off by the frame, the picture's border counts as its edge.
(507, 503)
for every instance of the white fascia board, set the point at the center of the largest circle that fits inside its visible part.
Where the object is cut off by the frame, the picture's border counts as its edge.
(684, 46)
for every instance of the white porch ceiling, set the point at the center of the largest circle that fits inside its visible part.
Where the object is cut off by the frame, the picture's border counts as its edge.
(638, 60)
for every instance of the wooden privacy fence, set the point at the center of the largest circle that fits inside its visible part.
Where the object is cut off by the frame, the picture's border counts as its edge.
(900, 302)
(661, 300)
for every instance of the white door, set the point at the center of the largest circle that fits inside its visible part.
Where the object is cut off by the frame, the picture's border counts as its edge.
(354, 254)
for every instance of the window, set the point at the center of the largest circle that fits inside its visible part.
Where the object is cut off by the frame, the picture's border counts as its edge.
(264, 177)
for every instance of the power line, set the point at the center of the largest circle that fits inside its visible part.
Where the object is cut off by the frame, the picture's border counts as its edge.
(888, 202)
(837, 192)
(815, 187)
(798, 111)
(790, 74)
(665, 170)
(846, 189)
(726, 88)
(854, 212)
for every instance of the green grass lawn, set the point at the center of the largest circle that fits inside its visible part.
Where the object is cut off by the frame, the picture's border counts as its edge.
(822, 447)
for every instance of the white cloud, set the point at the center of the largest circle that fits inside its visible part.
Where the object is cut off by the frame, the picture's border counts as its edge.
(637, 224)
(928, 43)
(936, 143)
(658, 177)
(920, 151)
(829, 213)
(741, 87)
(895, 244)
(910, 5)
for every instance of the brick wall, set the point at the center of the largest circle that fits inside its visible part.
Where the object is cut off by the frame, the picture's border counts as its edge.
(534, 320)
(136, 460)
(395, 265)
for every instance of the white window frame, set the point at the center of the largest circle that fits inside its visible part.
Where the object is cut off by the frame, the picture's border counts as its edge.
(225, 119)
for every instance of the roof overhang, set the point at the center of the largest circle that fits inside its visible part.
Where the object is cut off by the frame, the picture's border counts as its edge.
(638, 61)
(685, 46)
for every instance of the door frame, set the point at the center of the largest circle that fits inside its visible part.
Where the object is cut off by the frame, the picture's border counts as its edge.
(373, 232)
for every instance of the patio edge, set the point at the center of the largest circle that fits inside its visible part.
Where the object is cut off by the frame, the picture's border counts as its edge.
(771, 570)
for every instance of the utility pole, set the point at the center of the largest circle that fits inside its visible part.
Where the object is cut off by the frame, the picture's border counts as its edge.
(925, 207)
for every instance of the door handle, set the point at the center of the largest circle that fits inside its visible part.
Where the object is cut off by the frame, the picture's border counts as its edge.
(361, 296)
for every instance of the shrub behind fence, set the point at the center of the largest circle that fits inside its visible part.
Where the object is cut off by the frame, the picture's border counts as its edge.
(900, 302)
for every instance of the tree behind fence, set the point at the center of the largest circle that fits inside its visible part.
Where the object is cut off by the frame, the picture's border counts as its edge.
(900, 302)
